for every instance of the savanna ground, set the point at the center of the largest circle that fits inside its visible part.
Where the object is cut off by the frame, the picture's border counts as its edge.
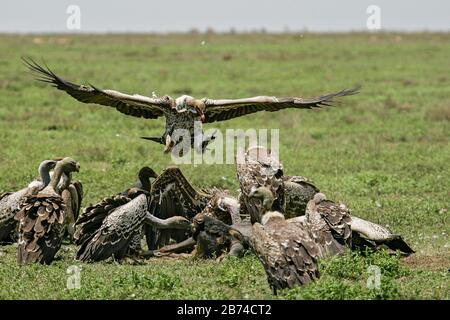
(384, 152)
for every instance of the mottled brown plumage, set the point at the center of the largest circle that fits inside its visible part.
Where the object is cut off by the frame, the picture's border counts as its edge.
(42, 219)
(113, 226)
(107, 229)
(10, 201)
(259, 168)
(286, 250)
(173, 195)
(72, 193)
(223, 206)
(329, 224)
(298, 192)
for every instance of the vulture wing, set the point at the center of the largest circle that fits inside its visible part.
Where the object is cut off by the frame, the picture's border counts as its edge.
(132, 105)
(41, 228)
(220, 110)
(117, 230)
(172, 195)
(288, 254)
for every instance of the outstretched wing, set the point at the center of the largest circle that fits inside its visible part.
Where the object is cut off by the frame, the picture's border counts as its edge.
(132, 105)
(172, 195)
(219, 110)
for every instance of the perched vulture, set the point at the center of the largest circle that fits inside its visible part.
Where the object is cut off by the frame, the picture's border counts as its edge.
(109, 228)
(10, 201)
(72, 193)
(183, 112)
(42, 219)
(287, 251)
(260, 168)
(329, 224)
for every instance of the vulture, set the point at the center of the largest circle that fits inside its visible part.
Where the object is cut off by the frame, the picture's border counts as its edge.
(42, 219)
(329, 224)
(364, 234)
(184, 115)
(367, 234)
(108, 228)
(173, 195)
(287, 251)
(10, 201)
(72, 193)
(298, 192)
(260, 168)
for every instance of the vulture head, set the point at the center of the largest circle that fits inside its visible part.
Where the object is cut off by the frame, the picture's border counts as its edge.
(266, 197)
(146, 173)
(68, 165)
(178, 222)
(47, 165)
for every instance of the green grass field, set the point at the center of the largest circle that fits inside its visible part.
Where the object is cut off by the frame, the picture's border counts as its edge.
(385, 152)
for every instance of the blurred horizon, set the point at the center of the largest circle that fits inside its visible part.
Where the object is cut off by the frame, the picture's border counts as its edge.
(233, 16)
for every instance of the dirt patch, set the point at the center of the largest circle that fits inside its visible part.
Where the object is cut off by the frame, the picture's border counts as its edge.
(434, 263)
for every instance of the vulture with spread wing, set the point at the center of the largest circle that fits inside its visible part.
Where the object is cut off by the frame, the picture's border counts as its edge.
(173, 195)
(183, 113)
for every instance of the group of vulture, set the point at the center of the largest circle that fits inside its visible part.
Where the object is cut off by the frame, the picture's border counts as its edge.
(285, 220)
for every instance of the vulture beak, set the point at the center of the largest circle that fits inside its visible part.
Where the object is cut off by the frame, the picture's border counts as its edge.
(252, 192)
(77, 167)
(169, 144)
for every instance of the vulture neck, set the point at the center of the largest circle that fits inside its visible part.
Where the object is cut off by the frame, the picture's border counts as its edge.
(145, 182)
(44, 173)
(169, 223)
(66, 178)
(59, 170)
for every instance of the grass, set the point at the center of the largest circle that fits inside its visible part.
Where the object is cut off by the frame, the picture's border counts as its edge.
(384, 152)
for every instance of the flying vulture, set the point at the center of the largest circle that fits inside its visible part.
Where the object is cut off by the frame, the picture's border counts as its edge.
(183, 112)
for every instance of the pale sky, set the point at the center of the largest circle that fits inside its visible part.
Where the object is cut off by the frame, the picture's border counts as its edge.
(182, 15)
